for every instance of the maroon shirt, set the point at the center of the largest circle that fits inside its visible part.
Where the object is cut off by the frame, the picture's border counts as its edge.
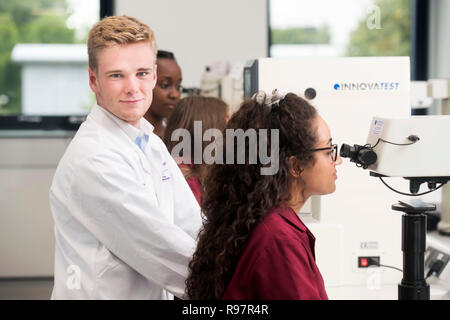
(196, 188)
(193, 182)
(278, 262)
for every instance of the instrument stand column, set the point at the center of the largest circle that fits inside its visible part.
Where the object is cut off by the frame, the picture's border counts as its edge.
(413, 285)
(414, 226)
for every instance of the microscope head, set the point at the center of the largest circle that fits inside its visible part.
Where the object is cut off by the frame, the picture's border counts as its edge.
(414, 147)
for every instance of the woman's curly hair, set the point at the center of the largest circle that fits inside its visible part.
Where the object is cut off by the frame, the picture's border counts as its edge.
(237, 197)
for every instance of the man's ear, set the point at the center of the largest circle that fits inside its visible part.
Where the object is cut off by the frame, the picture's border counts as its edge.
(155, 76)
(93, 83)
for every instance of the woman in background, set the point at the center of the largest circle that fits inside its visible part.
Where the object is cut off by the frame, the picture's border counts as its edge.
(253, 245)
(212, 113)
(167, 91)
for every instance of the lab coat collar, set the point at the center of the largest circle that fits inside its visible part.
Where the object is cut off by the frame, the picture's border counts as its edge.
(131, 131)
(127, 131)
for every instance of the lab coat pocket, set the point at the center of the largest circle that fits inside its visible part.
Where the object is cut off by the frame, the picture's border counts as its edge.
(105, 261)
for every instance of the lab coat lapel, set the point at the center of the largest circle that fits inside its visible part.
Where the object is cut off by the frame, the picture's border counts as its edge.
(161, 176)
(144, 161)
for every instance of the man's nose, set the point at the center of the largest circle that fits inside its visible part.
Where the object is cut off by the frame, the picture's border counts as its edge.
(132, 85)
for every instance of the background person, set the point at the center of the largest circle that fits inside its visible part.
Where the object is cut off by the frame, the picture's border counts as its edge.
(167, 91)
(213, 114)
(253, 244)
(125, 219)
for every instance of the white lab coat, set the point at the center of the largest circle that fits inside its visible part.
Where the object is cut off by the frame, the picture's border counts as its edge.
(125, 222)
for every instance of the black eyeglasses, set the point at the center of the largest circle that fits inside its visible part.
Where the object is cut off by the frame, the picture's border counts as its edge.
(333, 153)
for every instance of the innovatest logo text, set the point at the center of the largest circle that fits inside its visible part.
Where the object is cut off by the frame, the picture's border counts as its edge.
(363, 86)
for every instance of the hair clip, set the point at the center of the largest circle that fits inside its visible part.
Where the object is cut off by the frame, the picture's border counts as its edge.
(269, 100)
(259, 97)
(277, 97)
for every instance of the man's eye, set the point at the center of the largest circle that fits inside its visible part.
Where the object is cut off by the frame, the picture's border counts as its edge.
(142, 74)
(164, 85)
(115, 75)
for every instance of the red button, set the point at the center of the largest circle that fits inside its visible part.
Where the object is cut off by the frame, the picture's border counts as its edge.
(363, 262)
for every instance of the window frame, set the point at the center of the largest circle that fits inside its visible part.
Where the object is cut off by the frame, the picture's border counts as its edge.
(419, 38)
(420, 24)
(38, 123)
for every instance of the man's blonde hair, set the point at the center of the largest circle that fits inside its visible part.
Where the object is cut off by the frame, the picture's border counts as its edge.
(117, 30)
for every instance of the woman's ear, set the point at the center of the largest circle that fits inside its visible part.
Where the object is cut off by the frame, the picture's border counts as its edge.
(294, 167)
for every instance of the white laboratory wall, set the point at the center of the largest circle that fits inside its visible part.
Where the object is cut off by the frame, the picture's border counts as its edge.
(200, 32)
(27, 166)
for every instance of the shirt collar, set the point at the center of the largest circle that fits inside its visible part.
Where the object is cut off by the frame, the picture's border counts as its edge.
(290, 216)
(131, 131)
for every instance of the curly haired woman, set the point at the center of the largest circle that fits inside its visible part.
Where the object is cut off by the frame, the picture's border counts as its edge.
(253, 245)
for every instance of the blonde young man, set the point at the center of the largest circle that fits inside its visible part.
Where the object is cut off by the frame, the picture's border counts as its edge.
(125, 218)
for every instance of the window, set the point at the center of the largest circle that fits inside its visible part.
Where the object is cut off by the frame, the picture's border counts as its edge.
(340, 28)
(43, 57)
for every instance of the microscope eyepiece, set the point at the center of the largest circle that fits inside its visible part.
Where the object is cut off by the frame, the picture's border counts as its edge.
(361, 155)
(347, 151)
